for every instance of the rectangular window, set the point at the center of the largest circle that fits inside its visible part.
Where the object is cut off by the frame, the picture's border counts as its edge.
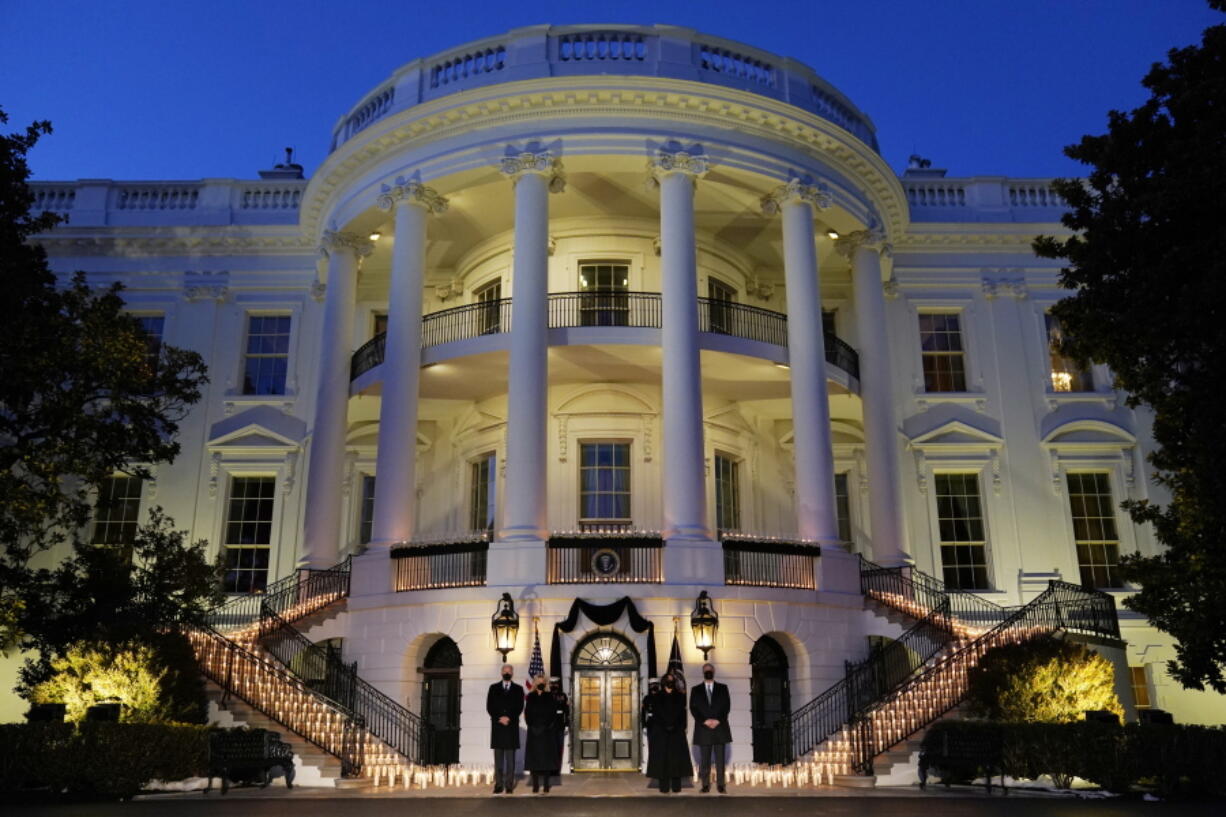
(727, 494)
(482, 493)
(828, 322)
(604, 285)
(942, 351)
(489, 313)
(604, 484)
(842, 506)
(366, 522)
(380, 323)
(1094, 531)
(267, 357)
(962, 530)
(117, 512)
(248, 534)
(152, 326)
(1066, 375)
(1140, 687)
(723, 315)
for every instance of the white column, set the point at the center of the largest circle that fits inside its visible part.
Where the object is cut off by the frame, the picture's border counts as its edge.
(322, 530)
(684, 470)
(535, 175)
(396, 482)
(812, 448)
(876, 392)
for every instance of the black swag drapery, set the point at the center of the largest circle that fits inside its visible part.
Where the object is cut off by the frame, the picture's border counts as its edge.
(602, 615)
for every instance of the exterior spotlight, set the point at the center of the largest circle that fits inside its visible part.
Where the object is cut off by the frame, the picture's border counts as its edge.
(782, 365)
(505, 623)
(376, 235)
(832, 234)
(705, 624)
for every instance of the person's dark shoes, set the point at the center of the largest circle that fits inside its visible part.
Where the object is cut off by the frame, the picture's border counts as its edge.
(677, 788)
(706, 787)
(536, 788)
(723, 789)
(546, 788)
(498, 790)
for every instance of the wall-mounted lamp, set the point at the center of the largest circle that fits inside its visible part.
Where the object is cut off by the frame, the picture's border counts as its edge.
(705, 624)
(505, 623)
(376, 235)
(832, 234)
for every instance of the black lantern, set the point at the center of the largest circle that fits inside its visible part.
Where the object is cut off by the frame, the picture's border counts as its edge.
(705, 624)
(505, 622)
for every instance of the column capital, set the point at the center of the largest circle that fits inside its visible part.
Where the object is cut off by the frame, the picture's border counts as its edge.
(668, 161)
(797, 190)
(541, 164)
(873, 239)
(410, 192)
(333, 240)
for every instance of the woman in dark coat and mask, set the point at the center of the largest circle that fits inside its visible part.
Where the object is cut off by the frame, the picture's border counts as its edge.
(669, 761)
(541, 747)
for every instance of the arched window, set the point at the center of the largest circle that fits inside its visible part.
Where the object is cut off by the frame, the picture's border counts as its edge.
(440, 700)
(770, 701)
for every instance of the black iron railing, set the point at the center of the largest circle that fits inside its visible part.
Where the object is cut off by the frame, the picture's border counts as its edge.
(325, 674)
(916, 593)
(440, 564)
(633, 309)
(294, 596)
(768, 563)
(641, 310)
(604, 559)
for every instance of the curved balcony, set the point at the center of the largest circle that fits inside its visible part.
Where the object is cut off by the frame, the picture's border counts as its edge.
(623, 309)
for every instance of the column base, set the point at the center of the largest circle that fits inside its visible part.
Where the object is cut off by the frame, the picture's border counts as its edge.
(693, 561)
(838, 571)
(515, 563)
(370, 574)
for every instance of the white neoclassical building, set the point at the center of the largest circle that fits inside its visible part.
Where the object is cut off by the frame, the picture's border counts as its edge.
(602, 318)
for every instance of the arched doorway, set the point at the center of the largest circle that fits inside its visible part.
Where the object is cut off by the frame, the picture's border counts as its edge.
(770, 700)
(605, 685)
(440, 700)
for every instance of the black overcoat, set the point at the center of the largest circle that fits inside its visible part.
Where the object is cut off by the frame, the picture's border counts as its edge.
(670, 757)
(508, 703)
(650, 721)
(717, 707)
(541, 746)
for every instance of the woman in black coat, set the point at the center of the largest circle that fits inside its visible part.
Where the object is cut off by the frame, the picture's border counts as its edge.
(669, 761)
(541, 747)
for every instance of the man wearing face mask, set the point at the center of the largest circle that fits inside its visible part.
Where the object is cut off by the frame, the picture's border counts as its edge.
(710, 704)
(504, 703)
(563, 709)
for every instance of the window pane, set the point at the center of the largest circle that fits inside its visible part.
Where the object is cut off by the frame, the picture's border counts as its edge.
(117, 511)
(248, 534)
(942, 355)
(1095, 535)
(727, 494)
(961, 528)
(265, 364)
(604, 482)
(367, 522)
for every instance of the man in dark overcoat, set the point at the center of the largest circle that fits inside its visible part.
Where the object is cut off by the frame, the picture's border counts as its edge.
(651, 725)
(710, 704)
(504, 703)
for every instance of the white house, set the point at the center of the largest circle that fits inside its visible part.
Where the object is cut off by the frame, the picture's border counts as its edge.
(579, 314)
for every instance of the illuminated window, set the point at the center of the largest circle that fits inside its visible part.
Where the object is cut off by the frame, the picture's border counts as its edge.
(482, 493)
(366, 521)
(963, 534)
(605, 301)
(267, 357)
(604, 484)
(489, 314)
(1094, 530)
(942, 351)
(842, 506)
(248, 534)
(727, 494)
(1140, 687)
(1066, 375)
(723, 316)
(117, 512)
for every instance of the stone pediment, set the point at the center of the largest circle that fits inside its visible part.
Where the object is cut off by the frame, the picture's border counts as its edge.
(731, 419)
(605, 400)
(475, 421)
(1089, 434)
(258, 428)
(956, 435)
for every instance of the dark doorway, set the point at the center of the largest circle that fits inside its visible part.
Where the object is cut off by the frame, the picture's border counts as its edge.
(770, 701)
(440, 701)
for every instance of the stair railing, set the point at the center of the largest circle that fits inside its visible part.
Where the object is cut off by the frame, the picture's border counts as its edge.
(916, 593)
(328, 676)
(299, 594)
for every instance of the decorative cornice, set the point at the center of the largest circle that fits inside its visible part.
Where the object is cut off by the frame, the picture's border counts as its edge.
(541, 164)
(1011, 287)
(796, 190)
(333, 240)
(204, 286)
(198, 243)
(873, 239)
(410, 192)
(666, 161)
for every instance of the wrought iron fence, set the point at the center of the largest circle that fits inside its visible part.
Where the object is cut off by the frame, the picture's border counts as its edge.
(369, 355)
(466, 322)
(292, 597)
(601, 560)
(439, 565)
(770, 564)
(633, 309)
(742, 321)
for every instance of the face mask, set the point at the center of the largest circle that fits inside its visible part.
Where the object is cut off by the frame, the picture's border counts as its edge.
(506, 676)
(540, 687)
(708, 675)
(669, 684)
(555, 688)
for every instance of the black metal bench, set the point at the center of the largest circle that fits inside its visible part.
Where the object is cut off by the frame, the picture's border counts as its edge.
(248, 756)
(961, 754)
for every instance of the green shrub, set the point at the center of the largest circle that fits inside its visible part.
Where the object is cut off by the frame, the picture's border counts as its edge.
(1044, 680)
(99, 760)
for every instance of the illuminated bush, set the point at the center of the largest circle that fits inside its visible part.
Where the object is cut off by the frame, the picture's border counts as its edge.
(1044, 680)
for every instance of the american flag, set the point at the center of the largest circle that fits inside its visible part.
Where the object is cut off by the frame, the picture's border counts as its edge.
(674, 663)
(537, 665)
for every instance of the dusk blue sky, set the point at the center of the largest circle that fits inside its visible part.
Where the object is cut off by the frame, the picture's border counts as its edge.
(164, 89)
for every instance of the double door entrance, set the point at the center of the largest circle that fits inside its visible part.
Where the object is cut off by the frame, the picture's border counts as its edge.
(605, 701)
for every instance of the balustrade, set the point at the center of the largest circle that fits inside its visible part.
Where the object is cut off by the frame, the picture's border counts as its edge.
(770, 563)
(618, 557)
(441, 564)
